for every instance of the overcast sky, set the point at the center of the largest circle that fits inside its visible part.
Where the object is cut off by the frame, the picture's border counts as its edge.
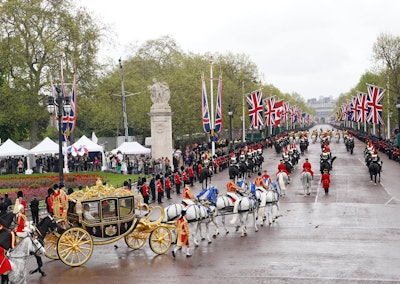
(312, 47)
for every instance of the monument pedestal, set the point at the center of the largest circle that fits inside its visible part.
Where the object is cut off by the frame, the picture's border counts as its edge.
(160, 121)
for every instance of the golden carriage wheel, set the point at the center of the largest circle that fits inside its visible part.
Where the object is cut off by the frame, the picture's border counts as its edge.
(75, 246)
(136, 239)
(160, 240)
(50, 245)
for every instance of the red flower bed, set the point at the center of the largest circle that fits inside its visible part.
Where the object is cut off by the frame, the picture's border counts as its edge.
(38, 185)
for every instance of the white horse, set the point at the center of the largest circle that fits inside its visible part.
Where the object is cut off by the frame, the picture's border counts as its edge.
(306, 178)
(222, 204)
(267, 199)
(19, 258)
(196, 214)
(282, 179)
(241, 209)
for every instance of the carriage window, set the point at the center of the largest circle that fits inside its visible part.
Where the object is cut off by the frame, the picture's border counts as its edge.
(91, 210)
(125, 206)
(108, 208)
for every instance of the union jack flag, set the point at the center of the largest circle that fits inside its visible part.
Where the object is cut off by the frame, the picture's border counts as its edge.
(362, 106)
(278, 112)
(355, 112)
(254, 104)
(270, 111)
(204, 108)
(285, 113)
(218, 114)
(293, 114)
(69, 119)
(375, 95)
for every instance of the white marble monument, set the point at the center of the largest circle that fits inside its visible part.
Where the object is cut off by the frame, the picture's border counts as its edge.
(161, 121)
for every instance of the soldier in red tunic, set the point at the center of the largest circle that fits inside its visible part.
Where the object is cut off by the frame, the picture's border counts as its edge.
(145, 191)
(325, 181)
(160, 191)
(177, 182)
(167, 186)
(182, 235)
(191, 175)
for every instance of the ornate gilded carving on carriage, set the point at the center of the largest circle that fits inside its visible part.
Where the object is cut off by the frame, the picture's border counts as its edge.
(111, 230)
(160, 92)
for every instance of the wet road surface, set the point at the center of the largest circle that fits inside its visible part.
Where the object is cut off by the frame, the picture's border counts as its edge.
(350, 236)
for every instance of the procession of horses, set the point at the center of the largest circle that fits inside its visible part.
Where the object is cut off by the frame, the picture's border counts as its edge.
(72, 240)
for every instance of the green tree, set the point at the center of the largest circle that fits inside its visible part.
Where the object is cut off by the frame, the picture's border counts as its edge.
(33, 35)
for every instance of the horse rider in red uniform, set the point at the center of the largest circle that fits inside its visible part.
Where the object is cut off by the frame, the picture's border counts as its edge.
(326, 148)
(282, 168)
(307, 168)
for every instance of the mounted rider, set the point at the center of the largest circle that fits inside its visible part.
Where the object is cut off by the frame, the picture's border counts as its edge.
(260, 183)
(307, 168)
(232, 189)
(282, 168)
(266, 177)
(188, 196)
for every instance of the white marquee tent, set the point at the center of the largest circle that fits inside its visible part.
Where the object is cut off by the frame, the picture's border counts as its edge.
(89, 144)
(132, 148)
(10, 148)
(47, 146)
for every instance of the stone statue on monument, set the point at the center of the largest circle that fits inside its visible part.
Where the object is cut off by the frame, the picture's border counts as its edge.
(160, 92)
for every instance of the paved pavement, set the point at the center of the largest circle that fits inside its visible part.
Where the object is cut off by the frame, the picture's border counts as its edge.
(350, 236)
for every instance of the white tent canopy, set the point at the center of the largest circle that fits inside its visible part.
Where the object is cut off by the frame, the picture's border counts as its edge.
(47, 146)
(89, 144)
(10, 148)
(132, 148)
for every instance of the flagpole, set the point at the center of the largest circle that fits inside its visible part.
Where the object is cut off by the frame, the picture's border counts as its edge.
(64, 143)
(212, 118)
(243, 121)
(388, 113)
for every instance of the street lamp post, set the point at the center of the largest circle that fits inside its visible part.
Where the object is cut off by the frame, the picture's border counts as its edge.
(60, 104)
(230, 113)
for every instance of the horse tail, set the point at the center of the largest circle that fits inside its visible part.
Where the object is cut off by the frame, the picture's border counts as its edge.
(235, 212)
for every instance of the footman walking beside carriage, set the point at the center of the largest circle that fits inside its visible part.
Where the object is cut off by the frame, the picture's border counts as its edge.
(183, 234)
